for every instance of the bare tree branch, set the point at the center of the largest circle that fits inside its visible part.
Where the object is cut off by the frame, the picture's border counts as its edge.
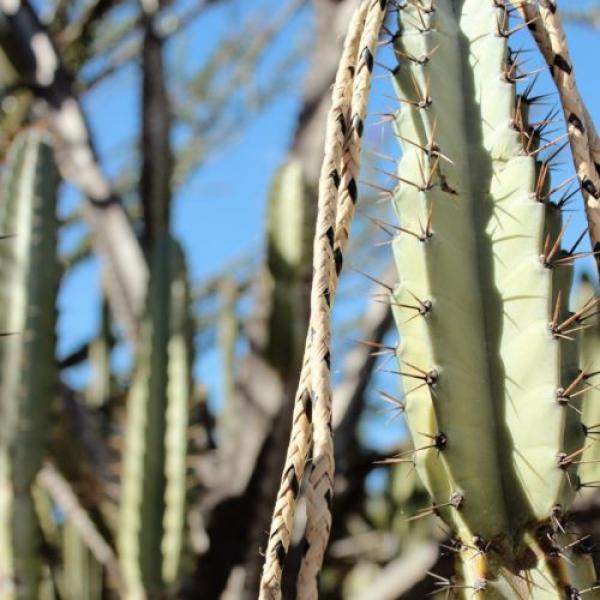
(30, 49)
(64, 497)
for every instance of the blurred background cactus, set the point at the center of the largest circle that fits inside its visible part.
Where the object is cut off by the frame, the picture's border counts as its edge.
(160, 171)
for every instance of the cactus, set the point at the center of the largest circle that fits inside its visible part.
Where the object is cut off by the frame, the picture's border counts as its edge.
(289, 251)
(589, 350)
(99, 387)
(82, 574)
(489, 361)
(154, 463)
(29, 274)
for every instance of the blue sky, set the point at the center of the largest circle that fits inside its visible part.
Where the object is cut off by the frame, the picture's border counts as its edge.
(219, 213)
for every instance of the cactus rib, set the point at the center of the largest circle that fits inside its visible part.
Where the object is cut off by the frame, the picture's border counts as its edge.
(151, 525)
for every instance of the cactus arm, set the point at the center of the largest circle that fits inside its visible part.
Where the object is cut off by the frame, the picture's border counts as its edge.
(29, 272)
(289, 252)
(179, 391)
(143, 480)
(153, 492)
(449, 259)
(590, 405)
(484, 361)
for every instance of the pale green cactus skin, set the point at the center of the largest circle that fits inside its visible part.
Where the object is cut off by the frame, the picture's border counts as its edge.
(151, 524)
(179, 393)
(82, 577)
(486, 364)
(589, 350)
(289, 251)
(29, 274)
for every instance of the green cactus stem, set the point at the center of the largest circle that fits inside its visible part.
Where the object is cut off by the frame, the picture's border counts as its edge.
(492, 344)
(152, 512)
(29, 274)
(589, 349)
(289, 251)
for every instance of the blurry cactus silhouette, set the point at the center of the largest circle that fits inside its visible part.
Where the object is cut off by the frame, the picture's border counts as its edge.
(152, 512)
(28, 376)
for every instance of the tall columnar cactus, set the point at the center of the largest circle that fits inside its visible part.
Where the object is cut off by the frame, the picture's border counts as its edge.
(152, 515)
(487, 350)
(29, 277)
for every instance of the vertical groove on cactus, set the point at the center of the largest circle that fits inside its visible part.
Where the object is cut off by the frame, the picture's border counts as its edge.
(479, 256)
(154, 470)
(29, 274)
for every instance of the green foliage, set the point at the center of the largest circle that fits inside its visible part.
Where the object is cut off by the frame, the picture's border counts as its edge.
(29, 278)
(491, 346)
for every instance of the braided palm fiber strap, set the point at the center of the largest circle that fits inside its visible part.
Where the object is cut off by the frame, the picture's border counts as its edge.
(545, 24)
(329, 249)
(300, 438)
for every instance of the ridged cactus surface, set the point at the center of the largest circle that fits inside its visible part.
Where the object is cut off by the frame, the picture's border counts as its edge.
(289, 251)
(589, 351)
(487, 346)
(28, 283)
(152, 511)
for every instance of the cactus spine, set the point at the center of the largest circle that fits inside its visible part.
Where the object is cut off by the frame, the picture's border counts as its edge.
(479, 259)
(154, 465)
(29, 274)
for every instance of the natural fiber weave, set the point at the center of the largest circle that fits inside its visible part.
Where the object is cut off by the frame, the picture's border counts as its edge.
(314, 390)
(320, 488)
(548, 32)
